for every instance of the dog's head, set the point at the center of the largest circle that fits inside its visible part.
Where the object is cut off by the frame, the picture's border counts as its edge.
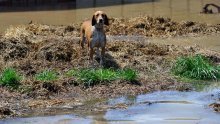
(99, 18)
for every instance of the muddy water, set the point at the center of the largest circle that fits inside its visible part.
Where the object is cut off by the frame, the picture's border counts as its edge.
(166, 107)
(210, 42)
(176, 9)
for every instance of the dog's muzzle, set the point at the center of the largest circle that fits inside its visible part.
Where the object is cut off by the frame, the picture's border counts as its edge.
(100, 20)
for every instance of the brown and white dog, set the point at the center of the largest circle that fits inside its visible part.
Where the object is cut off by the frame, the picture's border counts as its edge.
(92, 32)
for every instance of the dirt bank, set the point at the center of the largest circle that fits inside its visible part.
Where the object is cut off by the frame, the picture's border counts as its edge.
(33, 48)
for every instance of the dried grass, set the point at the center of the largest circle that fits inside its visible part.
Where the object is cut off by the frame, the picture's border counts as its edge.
(17, 32)
(38, 28)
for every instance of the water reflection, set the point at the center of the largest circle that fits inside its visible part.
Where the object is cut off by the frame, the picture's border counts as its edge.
(170, 107)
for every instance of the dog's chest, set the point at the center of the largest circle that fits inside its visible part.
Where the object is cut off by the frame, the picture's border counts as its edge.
(98, 38)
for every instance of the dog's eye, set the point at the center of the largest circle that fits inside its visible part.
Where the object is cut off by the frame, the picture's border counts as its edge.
(103, 15)
(97, 15)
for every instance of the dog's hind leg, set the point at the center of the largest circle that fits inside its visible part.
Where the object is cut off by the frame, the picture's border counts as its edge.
(83, 38)
(83, 42)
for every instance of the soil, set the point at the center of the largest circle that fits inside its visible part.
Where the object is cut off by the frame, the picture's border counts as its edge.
(57, 48)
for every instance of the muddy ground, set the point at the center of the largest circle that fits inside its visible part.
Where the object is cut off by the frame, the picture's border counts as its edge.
(32, 48)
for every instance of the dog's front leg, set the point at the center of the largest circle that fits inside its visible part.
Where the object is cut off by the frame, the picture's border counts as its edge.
(102, 55)
(91, 52)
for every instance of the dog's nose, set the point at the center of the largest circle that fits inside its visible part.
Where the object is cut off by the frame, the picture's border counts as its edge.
(100, 20)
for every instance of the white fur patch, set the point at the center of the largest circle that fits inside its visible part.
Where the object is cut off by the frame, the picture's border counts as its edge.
(98, 38)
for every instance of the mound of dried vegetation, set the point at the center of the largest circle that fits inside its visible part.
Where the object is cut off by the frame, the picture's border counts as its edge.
(144, 25)
(158, 27)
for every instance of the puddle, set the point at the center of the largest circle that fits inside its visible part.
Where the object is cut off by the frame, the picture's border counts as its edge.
(169, 107)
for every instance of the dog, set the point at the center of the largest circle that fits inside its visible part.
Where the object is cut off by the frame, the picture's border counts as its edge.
(92, 32)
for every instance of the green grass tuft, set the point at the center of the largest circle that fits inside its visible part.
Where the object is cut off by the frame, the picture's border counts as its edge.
(10, 78)
(94, 76)
(128, 74)
(46, 75)
(196, 67)
(218, 68)
(72, 72)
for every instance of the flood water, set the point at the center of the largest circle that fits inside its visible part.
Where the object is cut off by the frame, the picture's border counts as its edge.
(82, 9)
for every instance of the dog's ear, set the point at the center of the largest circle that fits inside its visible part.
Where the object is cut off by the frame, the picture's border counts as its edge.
(106, 20)
(93, 20)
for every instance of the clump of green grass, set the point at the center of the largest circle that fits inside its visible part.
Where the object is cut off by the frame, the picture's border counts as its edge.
(72, 72)
(10, 78)
(46, 75)
(128, 74)
(196, 67)
(218, 68)
(95, 76)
